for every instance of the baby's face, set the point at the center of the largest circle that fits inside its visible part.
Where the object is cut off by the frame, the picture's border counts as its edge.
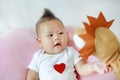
(53, 38)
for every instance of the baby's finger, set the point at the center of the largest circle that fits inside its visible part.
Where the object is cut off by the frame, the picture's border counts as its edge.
(108, 69)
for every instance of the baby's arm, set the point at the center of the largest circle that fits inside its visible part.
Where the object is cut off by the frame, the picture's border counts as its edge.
(84, 68)
(32, 75)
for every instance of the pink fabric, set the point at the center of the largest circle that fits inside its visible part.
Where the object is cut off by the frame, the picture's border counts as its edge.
(16, 50)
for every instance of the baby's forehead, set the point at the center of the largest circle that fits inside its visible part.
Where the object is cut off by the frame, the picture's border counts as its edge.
(54, 29)
(52, 24)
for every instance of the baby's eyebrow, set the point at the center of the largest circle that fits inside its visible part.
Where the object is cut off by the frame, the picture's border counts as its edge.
(49, 33)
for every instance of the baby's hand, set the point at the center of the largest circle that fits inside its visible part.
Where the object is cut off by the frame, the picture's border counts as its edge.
(101, 68)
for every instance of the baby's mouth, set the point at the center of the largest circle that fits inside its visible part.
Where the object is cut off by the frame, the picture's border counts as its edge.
(57, 44)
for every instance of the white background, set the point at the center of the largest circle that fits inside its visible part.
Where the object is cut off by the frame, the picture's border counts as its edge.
(16, 14)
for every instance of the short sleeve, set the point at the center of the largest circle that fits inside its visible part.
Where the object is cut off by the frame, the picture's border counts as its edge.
(76, 55)
(34, 63)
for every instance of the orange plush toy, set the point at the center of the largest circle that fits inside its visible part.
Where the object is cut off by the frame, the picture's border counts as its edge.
(97, 39)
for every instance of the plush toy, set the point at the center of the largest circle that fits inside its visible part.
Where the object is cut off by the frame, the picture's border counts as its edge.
(98, 40)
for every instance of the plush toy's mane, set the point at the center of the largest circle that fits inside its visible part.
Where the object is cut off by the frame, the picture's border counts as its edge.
(89, 37)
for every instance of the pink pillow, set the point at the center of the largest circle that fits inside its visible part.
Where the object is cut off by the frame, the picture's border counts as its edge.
(16, 50)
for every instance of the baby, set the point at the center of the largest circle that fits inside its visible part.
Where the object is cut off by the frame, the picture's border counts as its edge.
(57, 61)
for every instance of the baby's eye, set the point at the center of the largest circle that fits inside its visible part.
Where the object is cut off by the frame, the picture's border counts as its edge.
(61, 33)
(50, 35)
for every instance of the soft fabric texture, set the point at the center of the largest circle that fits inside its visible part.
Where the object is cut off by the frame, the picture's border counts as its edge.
(110, 51)
(16, 51)
(89, 36)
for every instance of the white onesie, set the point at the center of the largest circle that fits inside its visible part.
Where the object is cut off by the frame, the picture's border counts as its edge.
(55, 67)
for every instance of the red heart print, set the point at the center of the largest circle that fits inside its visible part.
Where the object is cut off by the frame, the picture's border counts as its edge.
(60, 67)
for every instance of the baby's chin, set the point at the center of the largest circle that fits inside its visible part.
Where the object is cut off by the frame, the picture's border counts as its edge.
(58, 50)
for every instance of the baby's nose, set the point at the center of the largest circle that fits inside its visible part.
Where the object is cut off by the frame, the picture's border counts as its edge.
(56, 37)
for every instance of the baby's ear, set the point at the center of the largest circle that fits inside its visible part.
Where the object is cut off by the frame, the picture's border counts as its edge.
(39, 41)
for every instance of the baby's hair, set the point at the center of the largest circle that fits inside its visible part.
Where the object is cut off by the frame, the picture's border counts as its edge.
(47, 13)
(47, 16)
